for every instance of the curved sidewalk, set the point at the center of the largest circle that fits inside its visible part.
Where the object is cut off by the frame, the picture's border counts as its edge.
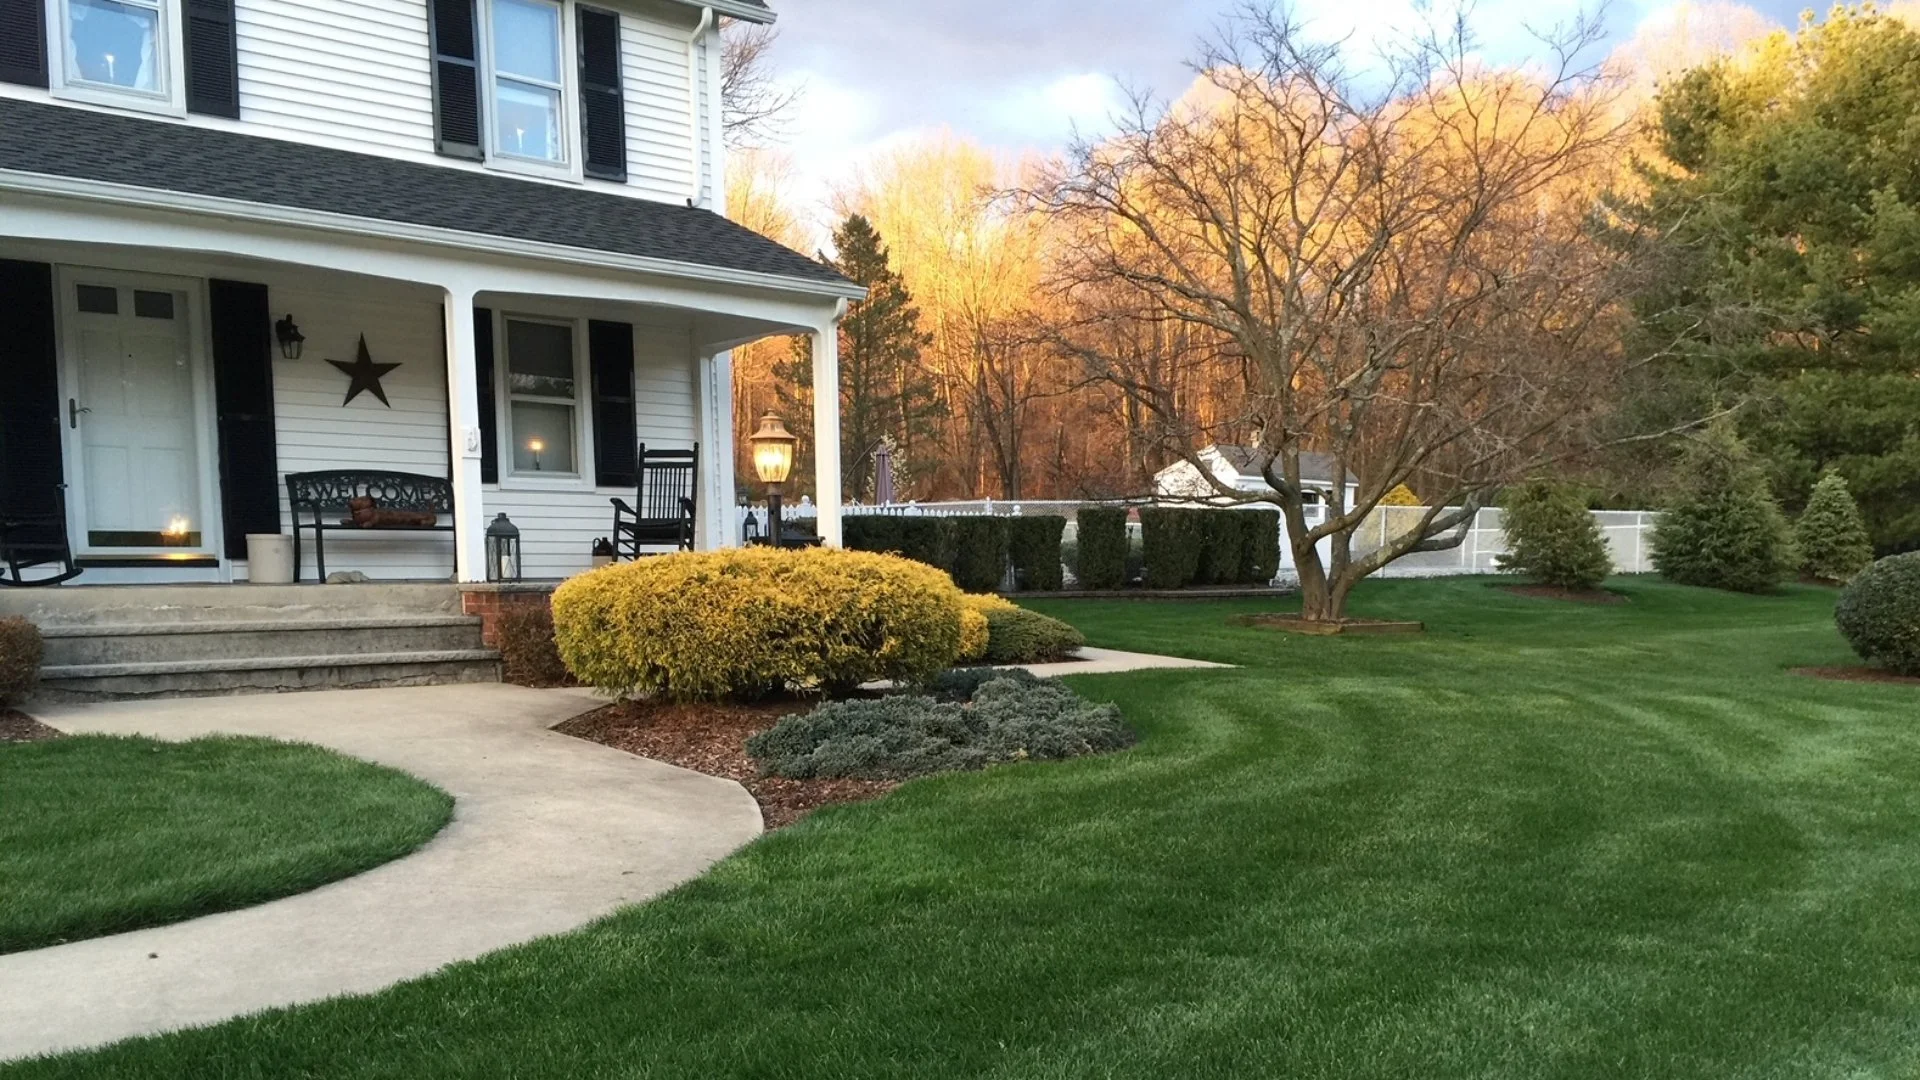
(548, 832)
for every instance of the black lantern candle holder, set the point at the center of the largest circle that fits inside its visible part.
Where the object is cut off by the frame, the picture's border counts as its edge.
(503, 550)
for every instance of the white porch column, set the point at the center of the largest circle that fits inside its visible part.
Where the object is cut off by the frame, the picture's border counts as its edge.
(463, 402)
(716, 527)
(826, 430)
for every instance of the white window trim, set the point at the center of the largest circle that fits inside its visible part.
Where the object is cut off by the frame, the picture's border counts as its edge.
(582, 478)
(571, 168)
(172, 101)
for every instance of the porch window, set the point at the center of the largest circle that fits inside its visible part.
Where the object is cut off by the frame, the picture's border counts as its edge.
(543, 400)
(528, 80)
(117, 46)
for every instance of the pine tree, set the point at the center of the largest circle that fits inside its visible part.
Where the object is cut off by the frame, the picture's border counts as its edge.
(1552, 538)
(884, 391)
(1831, 534)
(1724, 530)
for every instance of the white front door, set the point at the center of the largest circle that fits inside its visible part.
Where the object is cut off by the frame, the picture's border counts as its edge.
(137, 444)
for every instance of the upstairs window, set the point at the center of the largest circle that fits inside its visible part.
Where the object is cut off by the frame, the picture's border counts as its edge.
(116, 47)
(528, 81)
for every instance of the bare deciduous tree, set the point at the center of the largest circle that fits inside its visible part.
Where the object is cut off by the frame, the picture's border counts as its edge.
(752, 102)
(1399, 269)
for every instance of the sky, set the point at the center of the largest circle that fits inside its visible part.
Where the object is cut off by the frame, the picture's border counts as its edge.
(1023, 75)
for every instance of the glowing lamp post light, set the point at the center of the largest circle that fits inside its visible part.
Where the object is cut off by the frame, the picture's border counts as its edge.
(772, 461)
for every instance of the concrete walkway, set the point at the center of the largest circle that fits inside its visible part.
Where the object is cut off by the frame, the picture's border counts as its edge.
(549, 832)
(1112, 661)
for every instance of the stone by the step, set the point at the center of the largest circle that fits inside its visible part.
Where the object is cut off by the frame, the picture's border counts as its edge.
(92, 682)
(152, 642)
(75, 605)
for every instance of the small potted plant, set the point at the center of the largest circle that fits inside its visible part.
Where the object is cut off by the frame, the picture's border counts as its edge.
(602, 552)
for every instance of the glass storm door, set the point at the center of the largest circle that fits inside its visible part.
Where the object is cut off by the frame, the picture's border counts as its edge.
(131, 418)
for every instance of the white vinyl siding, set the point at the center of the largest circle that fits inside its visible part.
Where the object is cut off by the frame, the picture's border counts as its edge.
(356, 75)
(315, 432)
(557, 528)
(657, 85)
(337, 72)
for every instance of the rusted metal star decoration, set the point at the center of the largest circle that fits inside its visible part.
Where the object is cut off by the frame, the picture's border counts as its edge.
(365, 375)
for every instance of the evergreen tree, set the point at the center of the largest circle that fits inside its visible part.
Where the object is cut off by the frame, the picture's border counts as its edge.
(1553, 538)
(1830, 533)
(884, 390)
(1724, 530)
(1791, 207)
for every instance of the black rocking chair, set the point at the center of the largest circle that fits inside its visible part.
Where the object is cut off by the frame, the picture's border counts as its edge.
(665, 495)
(33, 536)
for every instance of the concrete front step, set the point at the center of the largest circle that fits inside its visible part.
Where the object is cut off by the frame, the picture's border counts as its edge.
(265, 674)
(180, 605)
(116, 644)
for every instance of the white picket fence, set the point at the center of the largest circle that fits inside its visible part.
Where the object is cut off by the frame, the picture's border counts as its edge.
(1627, 532)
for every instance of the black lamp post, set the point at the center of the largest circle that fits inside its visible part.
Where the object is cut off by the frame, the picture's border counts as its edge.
(503, 550)
(772, 461)
(290, 338)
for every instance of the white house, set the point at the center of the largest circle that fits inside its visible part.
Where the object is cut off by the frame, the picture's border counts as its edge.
(1235, 467)
(501, 218)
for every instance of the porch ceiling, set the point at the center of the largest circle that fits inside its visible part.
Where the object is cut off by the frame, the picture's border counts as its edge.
(87, 145)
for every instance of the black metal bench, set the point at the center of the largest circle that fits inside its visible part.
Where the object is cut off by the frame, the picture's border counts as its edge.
(323, 493)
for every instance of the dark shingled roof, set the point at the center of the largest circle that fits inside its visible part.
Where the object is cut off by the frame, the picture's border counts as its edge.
(1315, 468)
(86, 144)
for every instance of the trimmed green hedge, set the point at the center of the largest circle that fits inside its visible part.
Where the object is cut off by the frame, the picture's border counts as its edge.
(923, 539)
(1102, 542)
(1222, 548)
(1172, 537)
(1209, 546)
(1033, 546)
(979, 552)
(1263, 545)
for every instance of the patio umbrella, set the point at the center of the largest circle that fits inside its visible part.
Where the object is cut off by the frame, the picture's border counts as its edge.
(883, 473)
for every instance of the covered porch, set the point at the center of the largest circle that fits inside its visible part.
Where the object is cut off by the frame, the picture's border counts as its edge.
(525, 374)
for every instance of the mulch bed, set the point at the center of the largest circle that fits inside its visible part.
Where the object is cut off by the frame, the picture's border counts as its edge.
(1560, 592)
(17, 726)
(1857, 674)
(1320, 628)
(712, 739)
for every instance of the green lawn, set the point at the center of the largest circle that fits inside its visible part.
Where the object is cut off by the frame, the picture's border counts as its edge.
(1543, 840)
(102, 834)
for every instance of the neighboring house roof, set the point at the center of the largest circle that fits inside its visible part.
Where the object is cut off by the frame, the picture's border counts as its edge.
(1315, 468)
(84, 144)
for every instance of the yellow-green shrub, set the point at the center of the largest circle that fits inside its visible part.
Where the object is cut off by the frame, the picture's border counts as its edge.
(742, 623)
(973, 622)
(973, 634)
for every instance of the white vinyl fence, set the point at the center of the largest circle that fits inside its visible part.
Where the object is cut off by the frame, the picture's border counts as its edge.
(1627, 532)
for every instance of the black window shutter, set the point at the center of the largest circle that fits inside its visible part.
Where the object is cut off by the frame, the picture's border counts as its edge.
(30, 473)
(603, 119)
(23, 42)
(456, 78)
(243, 351)
(483, 375)
(610, 351)
(213, 59)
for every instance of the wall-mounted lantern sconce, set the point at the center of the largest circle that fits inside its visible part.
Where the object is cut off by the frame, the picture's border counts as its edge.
(289, 337)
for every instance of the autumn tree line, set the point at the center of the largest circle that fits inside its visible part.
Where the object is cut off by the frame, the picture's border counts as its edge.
(1446, 275)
